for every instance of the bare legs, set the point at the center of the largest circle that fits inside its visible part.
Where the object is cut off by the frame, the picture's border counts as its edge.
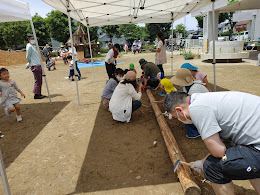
(223, 189)
(16, 108)
(256, 184)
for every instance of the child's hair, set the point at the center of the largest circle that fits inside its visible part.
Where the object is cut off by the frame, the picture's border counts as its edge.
(131, 82)
(119, 71)
(2, 70)
(69, 57)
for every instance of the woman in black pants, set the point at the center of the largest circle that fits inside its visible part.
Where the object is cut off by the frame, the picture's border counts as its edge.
(111, 60)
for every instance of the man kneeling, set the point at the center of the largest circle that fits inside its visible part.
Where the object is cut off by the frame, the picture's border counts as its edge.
(221, 116)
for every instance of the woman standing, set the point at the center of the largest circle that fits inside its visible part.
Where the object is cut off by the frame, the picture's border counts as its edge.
(160, 56)
(121, 105)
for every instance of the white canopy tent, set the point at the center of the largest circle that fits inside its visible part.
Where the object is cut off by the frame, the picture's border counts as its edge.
(114, 12)
(14, 10)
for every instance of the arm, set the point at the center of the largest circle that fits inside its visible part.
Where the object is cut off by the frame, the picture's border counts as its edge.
(205, 80)
(22, 94)
(108, 61)
(29, 53)
(134, 94)
(157, 87)
(157, 50)
(215, 146)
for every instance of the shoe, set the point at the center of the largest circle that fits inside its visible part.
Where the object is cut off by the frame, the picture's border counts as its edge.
(37, 96)
(161, 94)
(1, 135)
(193, 137)
(43, 96)
(54, 68)
(7, 113)
(79, 78)
(72, 80)
(19, 118)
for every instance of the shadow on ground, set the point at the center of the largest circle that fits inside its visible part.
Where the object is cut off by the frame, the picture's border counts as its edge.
(119, 152)
(19, 135)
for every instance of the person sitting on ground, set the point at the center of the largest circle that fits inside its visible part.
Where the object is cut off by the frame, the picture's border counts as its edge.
(110, 86)
(132, 68)
(121, 104)
(150, 72)
(110, 60)
(223, 116)
(8, 94)
(184, 79)
(165, 84)
(197, 75)
(51, 63)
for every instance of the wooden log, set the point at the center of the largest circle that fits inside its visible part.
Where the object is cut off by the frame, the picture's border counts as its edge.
(185, 175)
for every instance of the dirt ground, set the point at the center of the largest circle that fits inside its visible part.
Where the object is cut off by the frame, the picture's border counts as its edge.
(64, 148)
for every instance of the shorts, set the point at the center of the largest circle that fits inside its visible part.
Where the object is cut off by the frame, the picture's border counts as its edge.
(65, 59)
(239, 163)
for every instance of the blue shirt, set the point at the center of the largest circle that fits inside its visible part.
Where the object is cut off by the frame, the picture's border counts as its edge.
(32, 56)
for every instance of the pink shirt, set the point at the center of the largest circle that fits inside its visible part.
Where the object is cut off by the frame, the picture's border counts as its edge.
(200, 76)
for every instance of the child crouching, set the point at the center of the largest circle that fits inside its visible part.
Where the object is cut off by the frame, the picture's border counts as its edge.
(8, 94)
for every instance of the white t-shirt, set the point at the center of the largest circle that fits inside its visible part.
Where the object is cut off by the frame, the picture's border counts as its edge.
(75, 53)
(234, 115)
(110, 55)
(197, 87)
(121, 101)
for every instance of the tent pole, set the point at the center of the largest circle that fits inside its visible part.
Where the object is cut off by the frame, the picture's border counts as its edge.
(3, 175)
(73, 52)
(90, 50)
(172, 52)
(213, 41)
(40, 58)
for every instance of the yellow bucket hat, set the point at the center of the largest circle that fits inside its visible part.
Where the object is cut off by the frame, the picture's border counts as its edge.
(168, 86)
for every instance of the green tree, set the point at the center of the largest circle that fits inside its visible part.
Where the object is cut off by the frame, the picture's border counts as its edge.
(2, 42)
(153, 28)
(181, 29)
(132, 32)
(57, 23)
(14, 33)
(222, 18)
(111, 30)
(41, 29)
(200, 21)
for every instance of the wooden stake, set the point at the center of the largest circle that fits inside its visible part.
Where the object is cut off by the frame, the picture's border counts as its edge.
(185, 175)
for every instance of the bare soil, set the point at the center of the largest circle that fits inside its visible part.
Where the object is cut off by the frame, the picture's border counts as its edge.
(64, 148)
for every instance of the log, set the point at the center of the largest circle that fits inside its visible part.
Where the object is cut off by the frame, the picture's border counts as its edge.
(185, 175)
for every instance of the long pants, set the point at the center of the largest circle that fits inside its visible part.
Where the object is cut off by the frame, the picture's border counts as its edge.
(191, 130)
(160, 66)
(37, 73)
(135, 105)
(110, 70)
(47, 59)
(73, 73)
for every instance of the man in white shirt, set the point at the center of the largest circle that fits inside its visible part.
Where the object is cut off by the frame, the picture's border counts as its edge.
(110, 60)
(232, 116)
(76, 60)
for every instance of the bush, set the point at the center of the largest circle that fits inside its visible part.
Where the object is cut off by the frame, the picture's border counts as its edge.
(54, 54)
(104, 50)
(188, 56)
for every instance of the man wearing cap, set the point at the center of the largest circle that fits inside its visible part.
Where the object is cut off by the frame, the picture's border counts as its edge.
(184, 79)
(150, 72)
(121, 104)
(110, 60)
(35, 64)
(222, 116)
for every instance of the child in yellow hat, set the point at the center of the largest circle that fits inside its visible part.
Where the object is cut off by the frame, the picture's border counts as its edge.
(165, 84)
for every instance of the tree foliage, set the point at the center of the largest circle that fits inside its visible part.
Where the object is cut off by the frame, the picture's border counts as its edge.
(92, 31)
(154, 28)
(41, 30)
(181, 29)
(111, 30)
(200, 21)
(132, 32)
(57, 23)
(14, 33)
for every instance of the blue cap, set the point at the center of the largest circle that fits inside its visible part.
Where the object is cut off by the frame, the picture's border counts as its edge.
(189, 66)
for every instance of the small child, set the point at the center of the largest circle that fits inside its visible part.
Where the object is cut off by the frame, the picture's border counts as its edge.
(165, 84)
(51, 63)
(132, 68)
(71, 74)
(9, 98)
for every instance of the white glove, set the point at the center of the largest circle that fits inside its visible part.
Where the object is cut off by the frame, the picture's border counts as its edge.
(197, 166)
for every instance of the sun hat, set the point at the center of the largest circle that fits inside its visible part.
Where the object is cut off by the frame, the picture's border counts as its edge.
(132, 66)
(189, 66)
(159, 75)
(168, 86)
(142, 62)
(130, 76)
(183, 77)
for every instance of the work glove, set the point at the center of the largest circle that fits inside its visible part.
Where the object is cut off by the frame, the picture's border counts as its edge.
(142, 76)
(197, 166)
(144, 86)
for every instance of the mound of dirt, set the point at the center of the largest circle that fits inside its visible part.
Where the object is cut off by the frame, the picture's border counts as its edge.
(12, 58)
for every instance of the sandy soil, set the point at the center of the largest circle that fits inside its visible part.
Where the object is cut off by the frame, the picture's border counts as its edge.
(64, 148)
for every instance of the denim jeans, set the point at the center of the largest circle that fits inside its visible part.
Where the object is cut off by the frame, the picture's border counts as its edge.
(135, 105)
(191, 130)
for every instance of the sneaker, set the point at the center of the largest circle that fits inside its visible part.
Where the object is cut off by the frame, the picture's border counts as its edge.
(54, 68)
(19, 118)
(1, 135)
(161, 94)
(37, 96)
(72, 80)
(193, 137)
(66, 77)
(7, 113)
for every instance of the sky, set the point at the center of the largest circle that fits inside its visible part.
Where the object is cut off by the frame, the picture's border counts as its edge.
(38, 6)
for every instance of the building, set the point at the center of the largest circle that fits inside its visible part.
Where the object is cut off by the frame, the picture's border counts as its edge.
(105, 39)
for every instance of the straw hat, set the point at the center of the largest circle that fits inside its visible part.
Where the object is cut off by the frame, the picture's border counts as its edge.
(130, 76)
(183, 77)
